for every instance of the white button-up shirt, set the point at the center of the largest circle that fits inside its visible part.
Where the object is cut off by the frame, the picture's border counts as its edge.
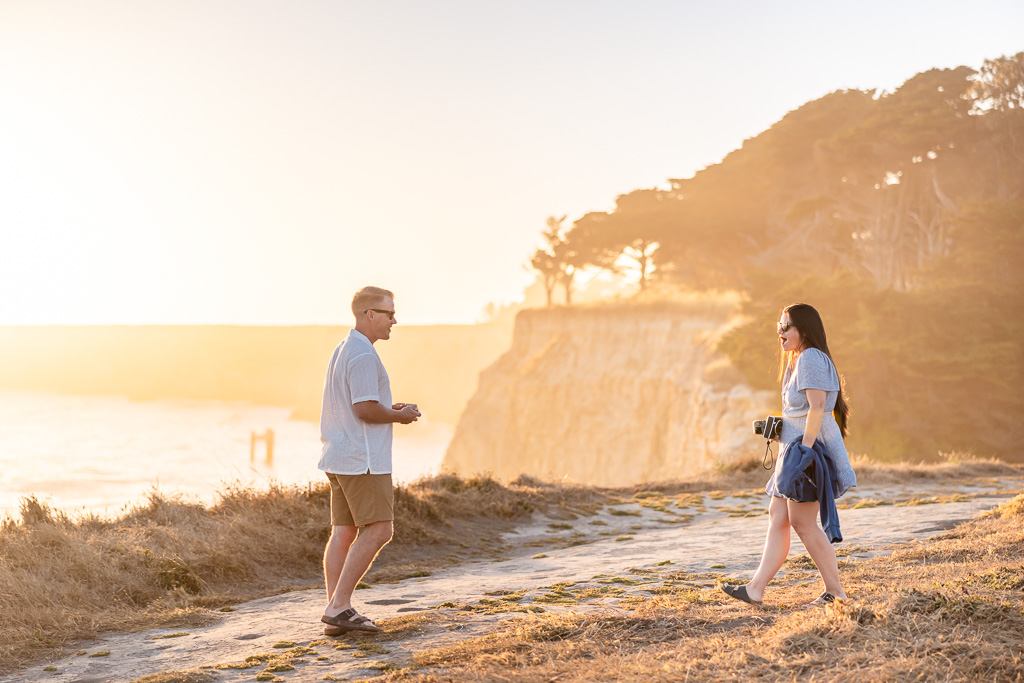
(351, 446)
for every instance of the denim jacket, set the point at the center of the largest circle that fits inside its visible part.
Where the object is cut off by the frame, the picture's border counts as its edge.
(807, 474)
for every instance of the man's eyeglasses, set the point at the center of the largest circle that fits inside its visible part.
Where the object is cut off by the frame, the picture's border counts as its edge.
(389, 314)
(784, 327)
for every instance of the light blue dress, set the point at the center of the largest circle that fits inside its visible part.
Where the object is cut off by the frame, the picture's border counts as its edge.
(812, 370)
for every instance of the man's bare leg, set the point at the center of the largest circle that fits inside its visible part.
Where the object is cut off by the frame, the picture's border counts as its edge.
(361, 554)
(335, 553)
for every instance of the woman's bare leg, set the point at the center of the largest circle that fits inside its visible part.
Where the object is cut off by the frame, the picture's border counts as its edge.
(804, 518)
(776, 548)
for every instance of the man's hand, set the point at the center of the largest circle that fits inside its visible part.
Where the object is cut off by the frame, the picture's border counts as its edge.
(408, 412)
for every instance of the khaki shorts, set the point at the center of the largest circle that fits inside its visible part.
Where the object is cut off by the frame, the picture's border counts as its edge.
(361, 499)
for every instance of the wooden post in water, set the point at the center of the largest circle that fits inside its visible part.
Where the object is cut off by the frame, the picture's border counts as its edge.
(267, 438)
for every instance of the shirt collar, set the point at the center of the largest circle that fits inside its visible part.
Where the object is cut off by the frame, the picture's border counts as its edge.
(356, 334)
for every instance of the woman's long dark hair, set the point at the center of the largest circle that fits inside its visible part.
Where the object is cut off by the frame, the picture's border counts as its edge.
(807, 321)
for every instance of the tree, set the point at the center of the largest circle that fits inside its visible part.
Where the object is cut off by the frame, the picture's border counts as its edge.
(546, 264)
(601, 239)
(1000, 84)
(901, 168)
(639, 216)
(998, 93)
(557, 261)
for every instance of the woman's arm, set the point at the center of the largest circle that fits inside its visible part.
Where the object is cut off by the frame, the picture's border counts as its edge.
(815, 416)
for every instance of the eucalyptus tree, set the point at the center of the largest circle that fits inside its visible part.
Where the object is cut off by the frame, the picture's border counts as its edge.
(547, 267)
(557, 261)
(998, 94)
(602, 239)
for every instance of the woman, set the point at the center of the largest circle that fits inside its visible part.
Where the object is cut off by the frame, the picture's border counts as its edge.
(813, 408)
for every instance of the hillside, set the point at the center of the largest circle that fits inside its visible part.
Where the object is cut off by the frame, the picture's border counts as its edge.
(898, 215)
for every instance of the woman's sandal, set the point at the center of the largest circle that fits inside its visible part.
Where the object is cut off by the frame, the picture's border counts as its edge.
(825, 598)
(350, 620)
(740, 593)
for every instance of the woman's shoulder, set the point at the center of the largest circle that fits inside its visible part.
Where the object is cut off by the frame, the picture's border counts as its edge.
(813, 365)
(813, 357)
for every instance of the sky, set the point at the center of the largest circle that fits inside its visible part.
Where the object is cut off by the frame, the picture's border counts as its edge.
(256, 162)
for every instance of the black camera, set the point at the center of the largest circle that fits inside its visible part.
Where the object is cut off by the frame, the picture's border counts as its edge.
(769, 427)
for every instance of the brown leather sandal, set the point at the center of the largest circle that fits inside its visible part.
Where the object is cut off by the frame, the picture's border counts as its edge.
(350, 620)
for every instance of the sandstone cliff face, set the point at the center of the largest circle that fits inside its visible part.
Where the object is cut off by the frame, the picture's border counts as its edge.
(610, 396)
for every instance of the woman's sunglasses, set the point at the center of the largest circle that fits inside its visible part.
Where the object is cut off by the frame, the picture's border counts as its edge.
(784, 327)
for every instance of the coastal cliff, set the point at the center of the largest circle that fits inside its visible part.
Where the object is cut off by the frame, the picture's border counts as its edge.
(611, 396)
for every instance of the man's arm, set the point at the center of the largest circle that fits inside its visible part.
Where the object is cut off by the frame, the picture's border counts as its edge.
(375, 413)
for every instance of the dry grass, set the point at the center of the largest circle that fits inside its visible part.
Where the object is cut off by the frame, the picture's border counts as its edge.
(179, 677)
(164, 563)
(957, 467)
(950, 609)
(660, 298)
(750, 475)
(171, 562)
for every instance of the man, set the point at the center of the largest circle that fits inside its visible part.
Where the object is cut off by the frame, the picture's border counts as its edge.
(355, 427)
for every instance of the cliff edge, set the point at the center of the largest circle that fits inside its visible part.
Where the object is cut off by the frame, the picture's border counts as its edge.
(611, 396)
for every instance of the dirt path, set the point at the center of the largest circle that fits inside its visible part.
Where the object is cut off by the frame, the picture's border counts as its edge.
(601, 562)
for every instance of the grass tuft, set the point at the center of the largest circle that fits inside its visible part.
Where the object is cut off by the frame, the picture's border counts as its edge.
(1011, 508)
(178, 677)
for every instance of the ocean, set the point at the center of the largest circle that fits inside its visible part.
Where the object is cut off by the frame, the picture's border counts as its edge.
(103, 454)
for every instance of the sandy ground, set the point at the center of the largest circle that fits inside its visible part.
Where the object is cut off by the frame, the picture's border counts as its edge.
(601, 562)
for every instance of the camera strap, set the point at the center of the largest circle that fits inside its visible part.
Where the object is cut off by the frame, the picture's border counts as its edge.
(769, 456)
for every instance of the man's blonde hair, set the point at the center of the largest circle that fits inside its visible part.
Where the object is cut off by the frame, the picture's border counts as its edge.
(369, 297)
